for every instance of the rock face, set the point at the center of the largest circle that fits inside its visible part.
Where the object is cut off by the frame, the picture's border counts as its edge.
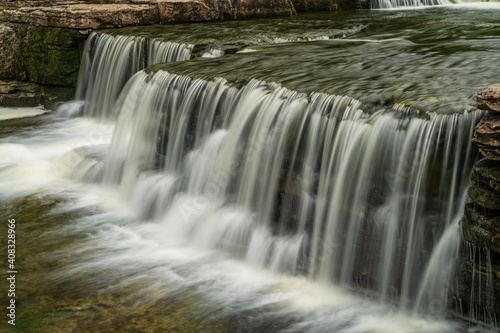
(15, 93)
(10, 47)
(478, 273)
(83, 16)
(487, 136)
(488, 98)
(52, 55)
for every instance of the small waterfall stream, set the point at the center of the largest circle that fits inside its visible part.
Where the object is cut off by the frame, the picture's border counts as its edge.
(306, 184)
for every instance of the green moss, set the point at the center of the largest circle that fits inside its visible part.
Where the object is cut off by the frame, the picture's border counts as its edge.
(52, 56)
(484, 197)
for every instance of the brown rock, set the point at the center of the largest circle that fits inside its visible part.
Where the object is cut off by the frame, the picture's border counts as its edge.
(172, 11)
(15, 93)
(10, 49)
(487, 136)
(84, 16)
(488, 98)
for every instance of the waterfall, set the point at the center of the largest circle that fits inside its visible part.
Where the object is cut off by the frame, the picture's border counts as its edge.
(385, 4)
(304, 184)
(108, 62)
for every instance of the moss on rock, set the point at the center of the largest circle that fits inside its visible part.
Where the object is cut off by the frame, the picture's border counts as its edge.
(484, 197)
(52, 55)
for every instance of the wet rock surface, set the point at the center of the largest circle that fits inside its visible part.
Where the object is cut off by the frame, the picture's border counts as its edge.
(487, 136)
(17, 93)
(488, 98)
(478, 272)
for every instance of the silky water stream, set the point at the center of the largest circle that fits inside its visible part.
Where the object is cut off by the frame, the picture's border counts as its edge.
(309, 179)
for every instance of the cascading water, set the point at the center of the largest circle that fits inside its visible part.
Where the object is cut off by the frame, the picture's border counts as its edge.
(306, 184)
(386, 4)
(108, 61)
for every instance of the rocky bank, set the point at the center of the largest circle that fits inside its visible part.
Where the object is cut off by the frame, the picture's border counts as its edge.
(479, 270)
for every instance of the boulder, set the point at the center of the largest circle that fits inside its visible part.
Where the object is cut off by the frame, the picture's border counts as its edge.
(488, 98)
(487, 136)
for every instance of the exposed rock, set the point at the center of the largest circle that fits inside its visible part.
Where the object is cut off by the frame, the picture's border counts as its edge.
(484, 197)
(15, 93)
(487, 136)
(84, 16)
(487, 172)
(480, 230)
(187, 11)
(10, 48)
(173, 11)
(52, 55)
(488, 98)
(477, 289)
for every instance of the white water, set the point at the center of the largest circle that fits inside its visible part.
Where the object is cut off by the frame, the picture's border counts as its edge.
(194, 225)
(108, 62)
(387, 4)
(348, 184)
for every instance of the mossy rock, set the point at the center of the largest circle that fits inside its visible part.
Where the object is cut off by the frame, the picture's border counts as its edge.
(484, 196)
(487, 172)
(476, 233)
(476, 217)
(477, 289)
(52, 55)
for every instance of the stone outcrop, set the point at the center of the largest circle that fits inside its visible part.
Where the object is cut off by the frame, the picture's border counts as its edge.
(478, 273)
(15, 94)
(487, 136)
(83, 16)
(481, 225)
(487, 132)
(488, 98)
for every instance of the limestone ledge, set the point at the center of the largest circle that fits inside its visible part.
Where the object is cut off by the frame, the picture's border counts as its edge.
(115, 14)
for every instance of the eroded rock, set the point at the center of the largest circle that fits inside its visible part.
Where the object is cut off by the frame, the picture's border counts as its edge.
(84, 16)
(488, 98)
(487, 136)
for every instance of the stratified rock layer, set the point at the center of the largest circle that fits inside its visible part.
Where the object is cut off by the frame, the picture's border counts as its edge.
(488, 98)
(487, 136)
(478, 272)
